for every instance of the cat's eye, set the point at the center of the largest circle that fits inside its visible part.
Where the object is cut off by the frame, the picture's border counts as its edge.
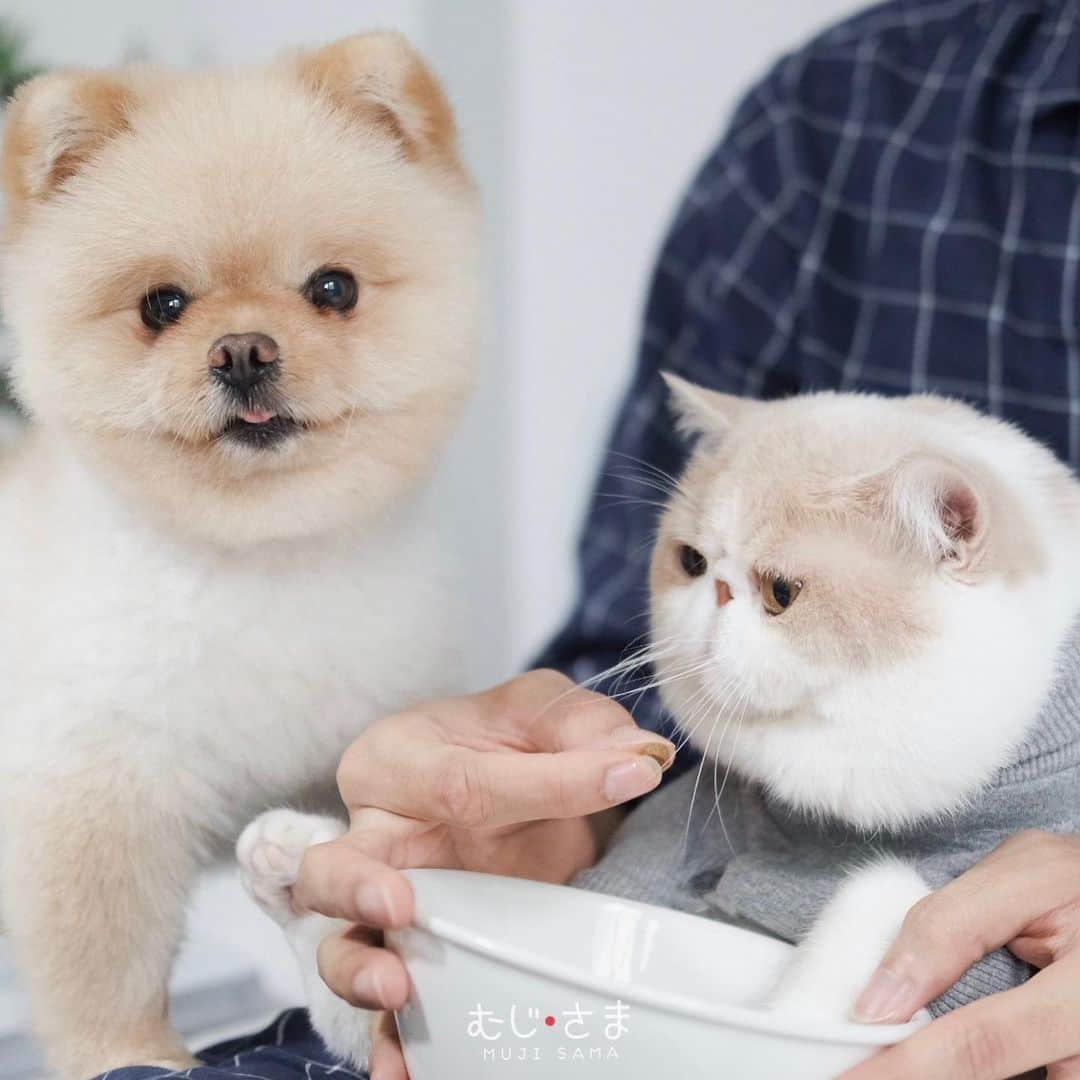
(162, 306)
(694, 564)
(779, 593)
(331, 289)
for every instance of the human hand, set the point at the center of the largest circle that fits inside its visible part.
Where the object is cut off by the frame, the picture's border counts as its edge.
(1025, 895)
(512, 781)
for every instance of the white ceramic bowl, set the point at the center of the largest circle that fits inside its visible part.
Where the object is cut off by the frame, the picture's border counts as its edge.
(598, 987)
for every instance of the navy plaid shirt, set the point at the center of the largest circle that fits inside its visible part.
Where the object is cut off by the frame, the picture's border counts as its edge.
(896, 207)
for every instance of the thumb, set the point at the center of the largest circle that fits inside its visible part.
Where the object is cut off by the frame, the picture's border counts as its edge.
(978, 912)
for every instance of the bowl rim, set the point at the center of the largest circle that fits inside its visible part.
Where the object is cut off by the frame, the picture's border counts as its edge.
(796, 1027)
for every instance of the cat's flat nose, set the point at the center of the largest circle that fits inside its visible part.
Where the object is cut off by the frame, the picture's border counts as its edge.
(723, 593)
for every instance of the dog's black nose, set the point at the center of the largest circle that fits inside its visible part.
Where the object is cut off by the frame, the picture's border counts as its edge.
(243, 360)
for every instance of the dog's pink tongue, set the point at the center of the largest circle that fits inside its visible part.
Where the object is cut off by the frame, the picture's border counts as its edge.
(256, 416)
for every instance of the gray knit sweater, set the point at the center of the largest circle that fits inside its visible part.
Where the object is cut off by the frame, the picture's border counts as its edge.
(774, 869)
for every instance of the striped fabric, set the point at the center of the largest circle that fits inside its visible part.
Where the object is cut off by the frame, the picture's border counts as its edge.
(896, 207)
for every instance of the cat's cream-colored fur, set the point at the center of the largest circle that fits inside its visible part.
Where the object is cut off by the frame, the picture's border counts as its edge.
(938, 553)
(192, 628)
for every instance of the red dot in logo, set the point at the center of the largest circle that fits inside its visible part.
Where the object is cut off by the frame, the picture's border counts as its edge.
(549, 1020)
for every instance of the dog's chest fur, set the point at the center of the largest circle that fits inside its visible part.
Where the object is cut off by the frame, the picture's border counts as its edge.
(237, 677)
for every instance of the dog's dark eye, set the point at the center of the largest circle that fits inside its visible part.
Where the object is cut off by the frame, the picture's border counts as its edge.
(333, 289)
(694, 564)
(778, 594)
(163, 306)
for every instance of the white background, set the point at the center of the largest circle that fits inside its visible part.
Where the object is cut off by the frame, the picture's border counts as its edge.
(583, 119)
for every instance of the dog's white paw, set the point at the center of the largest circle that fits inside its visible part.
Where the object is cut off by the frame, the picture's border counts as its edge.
(270, 851)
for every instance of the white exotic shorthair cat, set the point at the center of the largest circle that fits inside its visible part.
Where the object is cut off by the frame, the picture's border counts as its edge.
(859, 605)
(244, 307)
(868, 600)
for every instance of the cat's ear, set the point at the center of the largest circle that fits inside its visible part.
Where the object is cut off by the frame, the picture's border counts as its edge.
(699, 411)
(55, 124)
(380, 80)
(939, 508)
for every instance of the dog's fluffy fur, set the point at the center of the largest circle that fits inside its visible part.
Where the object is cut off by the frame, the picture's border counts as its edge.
(194, 626)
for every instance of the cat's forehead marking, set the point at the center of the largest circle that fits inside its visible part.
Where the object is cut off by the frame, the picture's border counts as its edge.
(720, 509)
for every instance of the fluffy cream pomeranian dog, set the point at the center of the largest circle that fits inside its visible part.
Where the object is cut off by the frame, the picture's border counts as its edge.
(244, 309)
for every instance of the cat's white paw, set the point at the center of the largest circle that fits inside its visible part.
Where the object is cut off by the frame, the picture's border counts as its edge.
(835, 960)
(270, 851)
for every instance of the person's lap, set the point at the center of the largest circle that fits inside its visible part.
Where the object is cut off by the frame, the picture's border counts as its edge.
(287, 1049)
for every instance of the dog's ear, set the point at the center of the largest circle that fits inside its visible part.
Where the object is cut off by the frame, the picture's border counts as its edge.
(55, 124)
(381, 80)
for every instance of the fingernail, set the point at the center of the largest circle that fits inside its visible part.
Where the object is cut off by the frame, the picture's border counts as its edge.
(644, 742)
(374, 904)
(631, 778)
(888, 999)
(368, 987)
